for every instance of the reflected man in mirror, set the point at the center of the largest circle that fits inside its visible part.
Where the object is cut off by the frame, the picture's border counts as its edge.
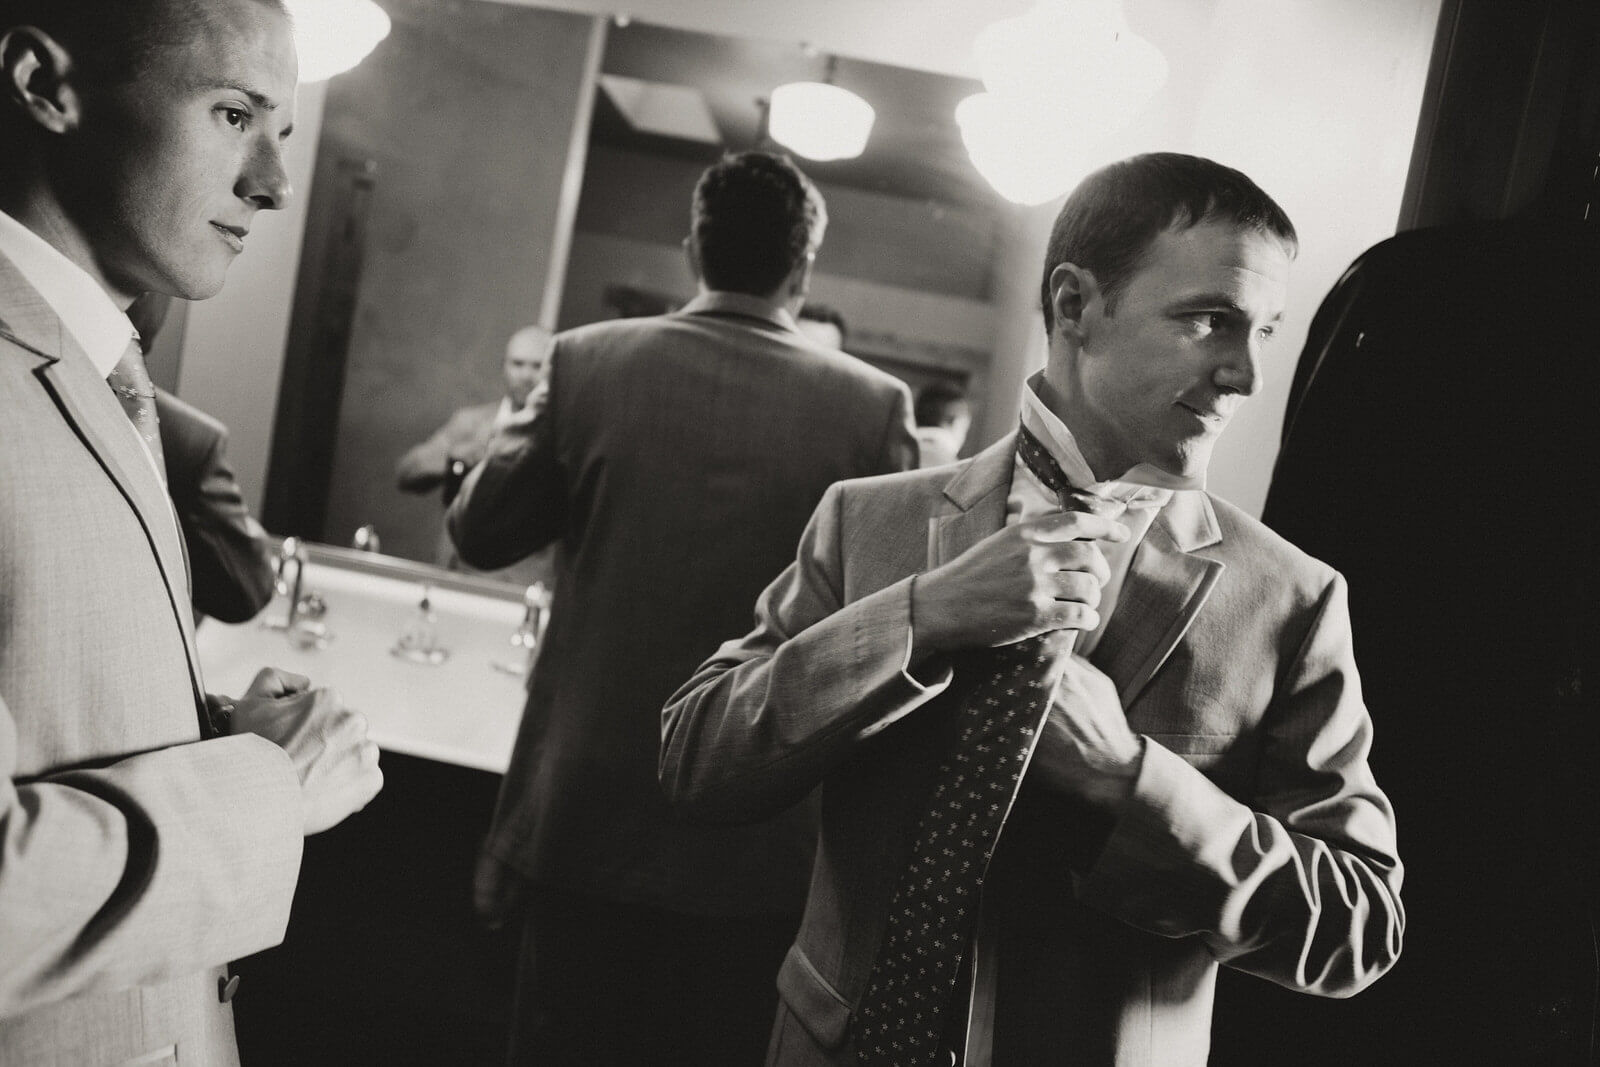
(944, 416)
(148, 833)
(442, 461)
(1067, 639)
(673, 464)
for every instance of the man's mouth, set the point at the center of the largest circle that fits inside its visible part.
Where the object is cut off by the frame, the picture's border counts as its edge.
(234, 235)
(1210, 416)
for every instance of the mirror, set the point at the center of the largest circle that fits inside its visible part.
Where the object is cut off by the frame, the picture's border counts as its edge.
(443, 172)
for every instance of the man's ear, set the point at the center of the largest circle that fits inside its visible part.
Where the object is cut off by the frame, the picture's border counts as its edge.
(800, 277)
(1072, 290)
(692, 254)
(36, 78)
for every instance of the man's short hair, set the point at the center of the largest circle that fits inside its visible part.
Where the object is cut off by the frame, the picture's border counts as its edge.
(756, 218)
(114, 40)
(825, 313)
(939, 404)
(1113, 216)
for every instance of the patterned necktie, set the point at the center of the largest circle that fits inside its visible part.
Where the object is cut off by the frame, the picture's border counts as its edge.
(900, 1020)
(131, 382)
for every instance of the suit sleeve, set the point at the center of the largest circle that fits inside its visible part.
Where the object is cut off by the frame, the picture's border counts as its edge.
(1302, 885)
(514, 502)
(156, 866)
(423, 468)
(768, 716)
(230, 560)
(900, 449)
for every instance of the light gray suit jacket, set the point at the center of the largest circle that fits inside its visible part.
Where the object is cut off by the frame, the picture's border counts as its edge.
(134, 862)
(1255, 835)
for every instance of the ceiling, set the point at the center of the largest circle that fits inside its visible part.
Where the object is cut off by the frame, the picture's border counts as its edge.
(915, 150)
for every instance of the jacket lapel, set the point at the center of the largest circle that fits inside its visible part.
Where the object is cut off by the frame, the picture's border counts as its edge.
(975, 502)
(91, 409)
(1165, 589)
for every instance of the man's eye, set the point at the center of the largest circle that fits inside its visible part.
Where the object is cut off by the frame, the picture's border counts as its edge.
(236, 117)
(1267, 333)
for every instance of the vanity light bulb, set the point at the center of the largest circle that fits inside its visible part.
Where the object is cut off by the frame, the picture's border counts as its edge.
(332, 36)
(820, 121)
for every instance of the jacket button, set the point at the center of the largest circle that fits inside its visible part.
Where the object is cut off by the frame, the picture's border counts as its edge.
(227, 988)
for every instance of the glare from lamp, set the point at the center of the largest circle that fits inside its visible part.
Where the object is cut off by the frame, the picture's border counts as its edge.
(332, 36)
(819, 121)
(1077, 54)
(1023, 153)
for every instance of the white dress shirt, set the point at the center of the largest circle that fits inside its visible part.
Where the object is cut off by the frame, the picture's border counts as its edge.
(101, 329)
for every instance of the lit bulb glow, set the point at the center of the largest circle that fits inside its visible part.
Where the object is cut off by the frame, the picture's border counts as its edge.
(1021, 153)
(332, 36)
(1061, 76)
(819, 121)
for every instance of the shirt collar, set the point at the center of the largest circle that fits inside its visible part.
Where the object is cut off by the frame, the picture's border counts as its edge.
(719, 301)
(1142, 482)
(101, 328)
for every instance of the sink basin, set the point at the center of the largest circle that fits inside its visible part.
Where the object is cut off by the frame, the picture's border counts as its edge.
(463, 710)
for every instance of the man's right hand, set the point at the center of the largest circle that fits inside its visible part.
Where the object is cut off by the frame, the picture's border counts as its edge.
(326, 742)
(1033, 576)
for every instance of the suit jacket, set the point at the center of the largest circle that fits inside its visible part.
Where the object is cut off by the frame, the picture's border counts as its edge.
(1255, 835)
(230, 562)
(464, 435)
(134, 862)
(675, 461)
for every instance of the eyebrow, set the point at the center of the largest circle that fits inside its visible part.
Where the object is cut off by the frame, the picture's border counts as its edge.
(257, 97)
(1218, 300)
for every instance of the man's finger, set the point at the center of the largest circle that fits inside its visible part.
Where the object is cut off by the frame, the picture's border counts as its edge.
(272, 682)
(1072, 526)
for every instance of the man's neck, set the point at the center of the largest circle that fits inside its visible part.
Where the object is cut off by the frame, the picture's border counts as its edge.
(42, 214)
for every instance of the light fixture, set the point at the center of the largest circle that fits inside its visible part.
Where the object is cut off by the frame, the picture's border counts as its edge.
(819, 120)
(1020, 152)
(1059, 77)
(332, 36)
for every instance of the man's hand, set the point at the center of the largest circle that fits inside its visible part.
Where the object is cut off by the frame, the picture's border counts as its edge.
(1036, 575)
(1087, 750)
(326, 742)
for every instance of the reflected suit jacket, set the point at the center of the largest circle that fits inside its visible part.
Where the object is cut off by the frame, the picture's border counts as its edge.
(1255, 835)
(675, 463)
(230, 561)
(135, 859)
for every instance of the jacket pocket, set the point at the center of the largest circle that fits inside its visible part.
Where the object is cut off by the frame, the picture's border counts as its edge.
(813, 1001)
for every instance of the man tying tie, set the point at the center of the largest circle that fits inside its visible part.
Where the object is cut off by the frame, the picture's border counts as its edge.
(1187, 786)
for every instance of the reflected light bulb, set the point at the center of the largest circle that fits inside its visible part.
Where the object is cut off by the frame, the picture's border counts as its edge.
(819, 121)
(332, 36)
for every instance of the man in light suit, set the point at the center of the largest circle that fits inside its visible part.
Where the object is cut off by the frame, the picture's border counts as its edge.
(1198, 792)
(674, 462)
(148, 835)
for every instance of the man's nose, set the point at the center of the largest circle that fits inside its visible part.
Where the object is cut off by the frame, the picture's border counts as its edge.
(1240, 368)
(264, 180)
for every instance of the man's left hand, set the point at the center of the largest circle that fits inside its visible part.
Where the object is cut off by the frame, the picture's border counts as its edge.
(1087, 750)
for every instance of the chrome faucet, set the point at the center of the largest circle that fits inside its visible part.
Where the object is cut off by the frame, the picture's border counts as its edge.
(291, 551)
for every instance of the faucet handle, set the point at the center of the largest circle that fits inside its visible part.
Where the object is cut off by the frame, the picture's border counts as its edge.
(366, 539)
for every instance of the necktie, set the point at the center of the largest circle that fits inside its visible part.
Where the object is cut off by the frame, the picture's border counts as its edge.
(131, 382)
(900, 1020)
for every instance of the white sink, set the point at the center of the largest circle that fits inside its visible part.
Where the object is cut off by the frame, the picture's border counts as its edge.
(462, 711)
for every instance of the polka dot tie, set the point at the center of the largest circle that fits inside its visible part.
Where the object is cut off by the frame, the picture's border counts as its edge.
(901, 1018)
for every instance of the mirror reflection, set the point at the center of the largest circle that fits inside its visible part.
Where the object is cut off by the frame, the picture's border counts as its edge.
(415, 315)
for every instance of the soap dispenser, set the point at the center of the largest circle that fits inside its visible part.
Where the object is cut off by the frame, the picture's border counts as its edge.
(419, 641)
